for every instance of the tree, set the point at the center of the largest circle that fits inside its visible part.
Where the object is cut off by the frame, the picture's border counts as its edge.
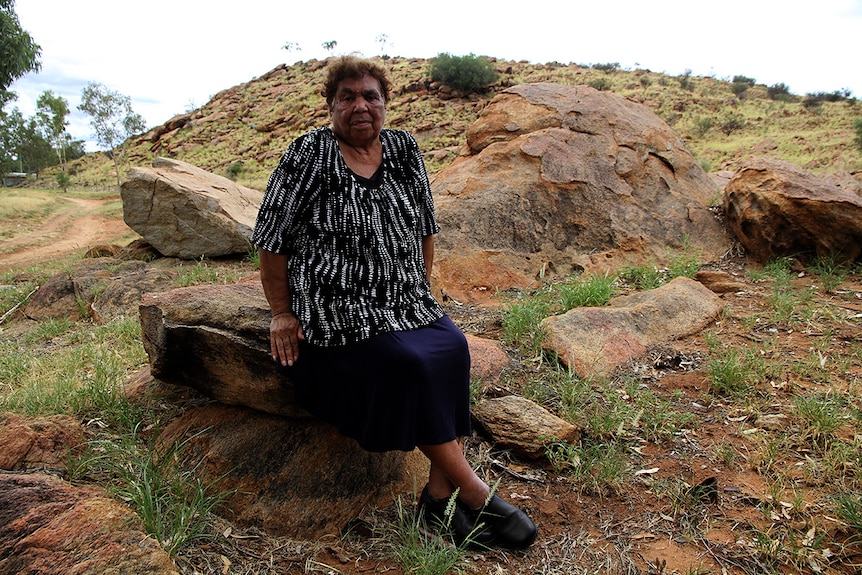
(112, 119)
(382, 39)
(22, 146)
(291, 47)
(329, 45)
(19, 54)
(51, 112)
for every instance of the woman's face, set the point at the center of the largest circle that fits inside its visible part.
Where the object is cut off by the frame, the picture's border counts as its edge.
(358, 110)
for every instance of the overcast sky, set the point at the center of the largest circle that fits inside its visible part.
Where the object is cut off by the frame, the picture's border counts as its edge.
(170, 56)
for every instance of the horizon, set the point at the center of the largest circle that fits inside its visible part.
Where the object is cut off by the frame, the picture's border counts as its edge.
(206, 50)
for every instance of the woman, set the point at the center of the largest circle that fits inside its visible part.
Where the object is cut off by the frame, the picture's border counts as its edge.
(346, 237)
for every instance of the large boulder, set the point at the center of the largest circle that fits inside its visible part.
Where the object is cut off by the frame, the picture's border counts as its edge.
(50, 526)
(776, 209)
(186, 212)
(557, 179)
(596, 340)
(215, 339)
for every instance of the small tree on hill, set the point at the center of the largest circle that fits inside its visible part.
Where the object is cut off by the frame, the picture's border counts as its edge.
(112, 119)
(329, 46)
(466, 73)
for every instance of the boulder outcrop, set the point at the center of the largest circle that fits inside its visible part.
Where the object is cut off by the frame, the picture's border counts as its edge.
(189, 213)
(776, 209)
(283, 471)
(50, 526)
(595, 340)
(215, 339)
(557, 179)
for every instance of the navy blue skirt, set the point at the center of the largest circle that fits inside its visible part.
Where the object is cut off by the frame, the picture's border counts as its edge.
(393, 391)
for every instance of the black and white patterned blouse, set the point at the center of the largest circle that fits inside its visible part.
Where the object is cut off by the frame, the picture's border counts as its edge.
(355, 264)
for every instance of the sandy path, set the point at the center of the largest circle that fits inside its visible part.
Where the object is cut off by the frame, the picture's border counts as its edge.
(78, 228)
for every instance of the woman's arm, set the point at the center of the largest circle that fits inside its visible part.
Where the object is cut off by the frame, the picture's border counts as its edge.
(428, 254)
(284, 328)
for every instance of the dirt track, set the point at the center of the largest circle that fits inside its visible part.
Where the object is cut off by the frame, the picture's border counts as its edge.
(79, 227)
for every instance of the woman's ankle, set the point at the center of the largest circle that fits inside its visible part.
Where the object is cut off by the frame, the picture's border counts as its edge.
(475, 498)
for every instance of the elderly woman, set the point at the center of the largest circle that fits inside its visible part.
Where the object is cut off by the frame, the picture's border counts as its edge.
(346, 237)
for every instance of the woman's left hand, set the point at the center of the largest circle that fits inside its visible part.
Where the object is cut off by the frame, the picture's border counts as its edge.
(284, 335)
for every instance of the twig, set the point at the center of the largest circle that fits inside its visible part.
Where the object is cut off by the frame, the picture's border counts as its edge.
(17, 305)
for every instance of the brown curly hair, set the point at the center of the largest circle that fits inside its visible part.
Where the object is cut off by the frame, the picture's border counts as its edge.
(346, 67)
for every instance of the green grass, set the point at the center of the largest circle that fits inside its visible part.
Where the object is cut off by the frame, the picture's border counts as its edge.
(173, 503)
(416, 548)
(83, 374)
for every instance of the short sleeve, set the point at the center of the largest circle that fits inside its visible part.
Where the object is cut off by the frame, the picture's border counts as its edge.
(286, 196)
(428, 220)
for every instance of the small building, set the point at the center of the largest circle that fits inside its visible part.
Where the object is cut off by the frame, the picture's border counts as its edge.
(12, 179)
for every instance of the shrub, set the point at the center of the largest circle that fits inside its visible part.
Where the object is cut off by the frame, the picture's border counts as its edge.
(739, 88)
(685, 81)
(468, 73)
(234, 170)
(702, 125)
(738, 79)
(602, 84)
(815, 99)
(63, 180)
(608, 67)
(778, 92)
(731, 123)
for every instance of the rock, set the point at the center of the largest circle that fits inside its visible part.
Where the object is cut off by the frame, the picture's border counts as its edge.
(595, 340)
(294, 478)
(516, 423)
(721, 178)
(488, 360)
(50, 526)
(215, 339)
(99, 288)
(772, 421)
(558, 179)
(186, 212)
(33, 442)
(104, 251)
(139, 250)
(776, 209)
(719, 281)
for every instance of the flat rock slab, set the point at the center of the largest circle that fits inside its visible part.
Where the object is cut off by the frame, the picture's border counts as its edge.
(596, 340)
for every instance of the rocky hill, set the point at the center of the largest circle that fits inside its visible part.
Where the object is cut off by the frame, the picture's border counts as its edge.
(243, 130)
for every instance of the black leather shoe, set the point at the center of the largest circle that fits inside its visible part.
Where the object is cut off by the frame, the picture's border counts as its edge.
(507, 525)
(464, 530)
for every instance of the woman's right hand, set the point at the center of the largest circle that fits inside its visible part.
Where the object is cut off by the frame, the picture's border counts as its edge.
(284, 335)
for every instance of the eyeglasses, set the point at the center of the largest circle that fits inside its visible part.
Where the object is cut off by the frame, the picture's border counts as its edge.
(347, 98)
